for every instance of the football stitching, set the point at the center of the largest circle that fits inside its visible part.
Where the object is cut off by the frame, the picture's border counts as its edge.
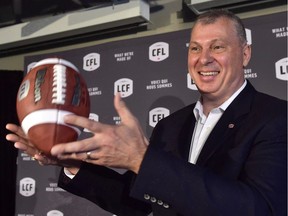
(59, 84)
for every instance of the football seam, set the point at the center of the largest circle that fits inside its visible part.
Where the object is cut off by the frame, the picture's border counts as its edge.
(44, 116)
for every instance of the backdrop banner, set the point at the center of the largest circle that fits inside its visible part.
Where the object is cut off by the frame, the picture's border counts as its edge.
(151, 74)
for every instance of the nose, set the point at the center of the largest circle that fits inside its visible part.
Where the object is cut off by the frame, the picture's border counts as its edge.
(205, 57)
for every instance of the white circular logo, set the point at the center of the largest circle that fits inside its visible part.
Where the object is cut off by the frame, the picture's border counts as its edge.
(27, 187)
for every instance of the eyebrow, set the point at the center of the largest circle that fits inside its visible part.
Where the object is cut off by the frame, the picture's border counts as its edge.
(213, 41)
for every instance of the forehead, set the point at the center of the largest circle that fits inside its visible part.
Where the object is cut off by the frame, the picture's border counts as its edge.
(221, 28)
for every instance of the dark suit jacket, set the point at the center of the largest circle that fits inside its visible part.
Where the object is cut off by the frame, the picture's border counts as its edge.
(241, 170)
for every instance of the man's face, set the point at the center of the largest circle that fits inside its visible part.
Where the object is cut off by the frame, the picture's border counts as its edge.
(216, 59)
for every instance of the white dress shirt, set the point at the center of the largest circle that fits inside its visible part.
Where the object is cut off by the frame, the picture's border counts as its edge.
(205, 124)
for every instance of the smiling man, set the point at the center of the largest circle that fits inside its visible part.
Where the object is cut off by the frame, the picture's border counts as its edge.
(224, 155)
(218, 53)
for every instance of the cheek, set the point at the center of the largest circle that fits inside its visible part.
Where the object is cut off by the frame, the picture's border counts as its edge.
(225, 63)
(231, 60)
(191, 69)
(191, 63)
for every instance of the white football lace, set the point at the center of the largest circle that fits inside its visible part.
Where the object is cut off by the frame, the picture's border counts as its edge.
(59, 84)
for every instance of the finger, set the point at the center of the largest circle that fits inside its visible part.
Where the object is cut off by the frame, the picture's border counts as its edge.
(19, 141)
(12, 127)
(15, 129)
(43, 160)
(21, 144)
(15, 138)
(122, 109)
(73, 156)
(22, 147)
(30, 150)
(73, 147)
(39, 157)
(84, 122)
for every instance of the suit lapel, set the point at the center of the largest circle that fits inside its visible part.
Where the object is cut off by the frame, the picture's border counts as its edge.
(228, 124)
(185, 135)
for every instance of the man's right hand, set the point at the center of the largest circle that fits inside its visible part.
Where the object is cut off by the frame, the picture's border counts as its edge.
(21, 142)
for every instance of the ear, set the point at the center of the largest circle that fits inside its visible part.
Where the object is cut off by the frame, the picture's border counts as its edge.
(246, 54)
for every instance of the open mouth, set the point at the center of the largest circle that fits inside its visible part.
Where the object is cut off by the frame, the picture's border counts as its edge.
(209, 73)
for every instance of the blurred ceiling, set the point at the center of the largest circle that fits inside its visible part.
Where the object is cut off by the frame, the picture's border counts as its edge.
(17, 11)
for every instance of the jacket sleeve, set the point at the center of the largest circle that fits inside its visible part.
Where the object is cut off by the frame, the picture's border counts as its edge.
(106, 188)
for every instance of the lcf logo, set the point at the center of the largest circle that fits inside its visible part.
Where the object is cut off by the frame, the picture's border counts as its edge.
(91, 61)
(124, 86)
(191, 83)
(27, 187)
(281, 68)
(156, 114)
(159, 51)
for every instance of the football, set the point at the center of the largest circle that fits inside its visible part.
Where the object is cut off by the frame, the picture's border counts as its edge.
(51, 89)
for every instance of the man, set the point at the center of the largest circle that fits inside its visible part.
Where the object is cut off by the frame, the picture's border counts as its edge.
(224, 155)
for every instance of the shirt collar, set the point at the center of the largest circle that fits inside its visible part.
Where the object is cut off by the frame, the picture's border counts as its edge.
(198, 109)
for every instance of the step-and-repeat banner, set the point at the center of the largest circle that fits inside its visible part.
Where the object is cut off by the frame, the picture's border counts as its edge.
(151, 73)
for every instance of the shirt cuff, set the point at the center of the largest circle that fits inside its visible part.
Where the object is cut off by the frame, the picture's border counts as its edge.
(68, 173)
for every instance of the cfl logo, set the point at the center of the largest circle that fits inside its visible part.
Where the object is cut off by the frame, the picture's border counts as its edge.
(156, 114)
(190, 83)
(281, 69)
(159, 51)
(124, 86)
(27, 187)
(55, 213)
(91, 61)
(248, 36)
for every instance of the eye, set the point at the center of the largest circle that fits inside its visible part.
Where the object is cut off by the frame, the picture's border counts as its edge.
(195, 49)
(218, 48)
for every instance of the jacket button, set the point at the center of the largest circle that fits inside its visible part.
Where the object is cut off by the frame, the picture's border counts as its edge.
(160, 202)
(153, 199)
(165, 205)
(146, 196)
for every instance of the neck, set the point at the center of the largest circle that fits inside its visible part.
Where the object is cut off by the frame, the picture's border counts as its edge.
(209, 104)
(210, 101)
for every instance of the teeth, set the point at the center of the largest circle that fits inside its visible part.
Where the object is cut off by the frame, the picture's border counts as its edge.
(210, 73)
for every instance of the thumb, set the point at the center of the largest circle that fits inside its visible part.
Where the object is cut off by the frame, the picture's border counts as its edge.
(122, 109)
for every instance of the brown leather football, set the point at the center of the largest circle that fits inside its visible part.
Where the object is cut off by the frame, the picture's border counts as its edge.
(52, 89)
